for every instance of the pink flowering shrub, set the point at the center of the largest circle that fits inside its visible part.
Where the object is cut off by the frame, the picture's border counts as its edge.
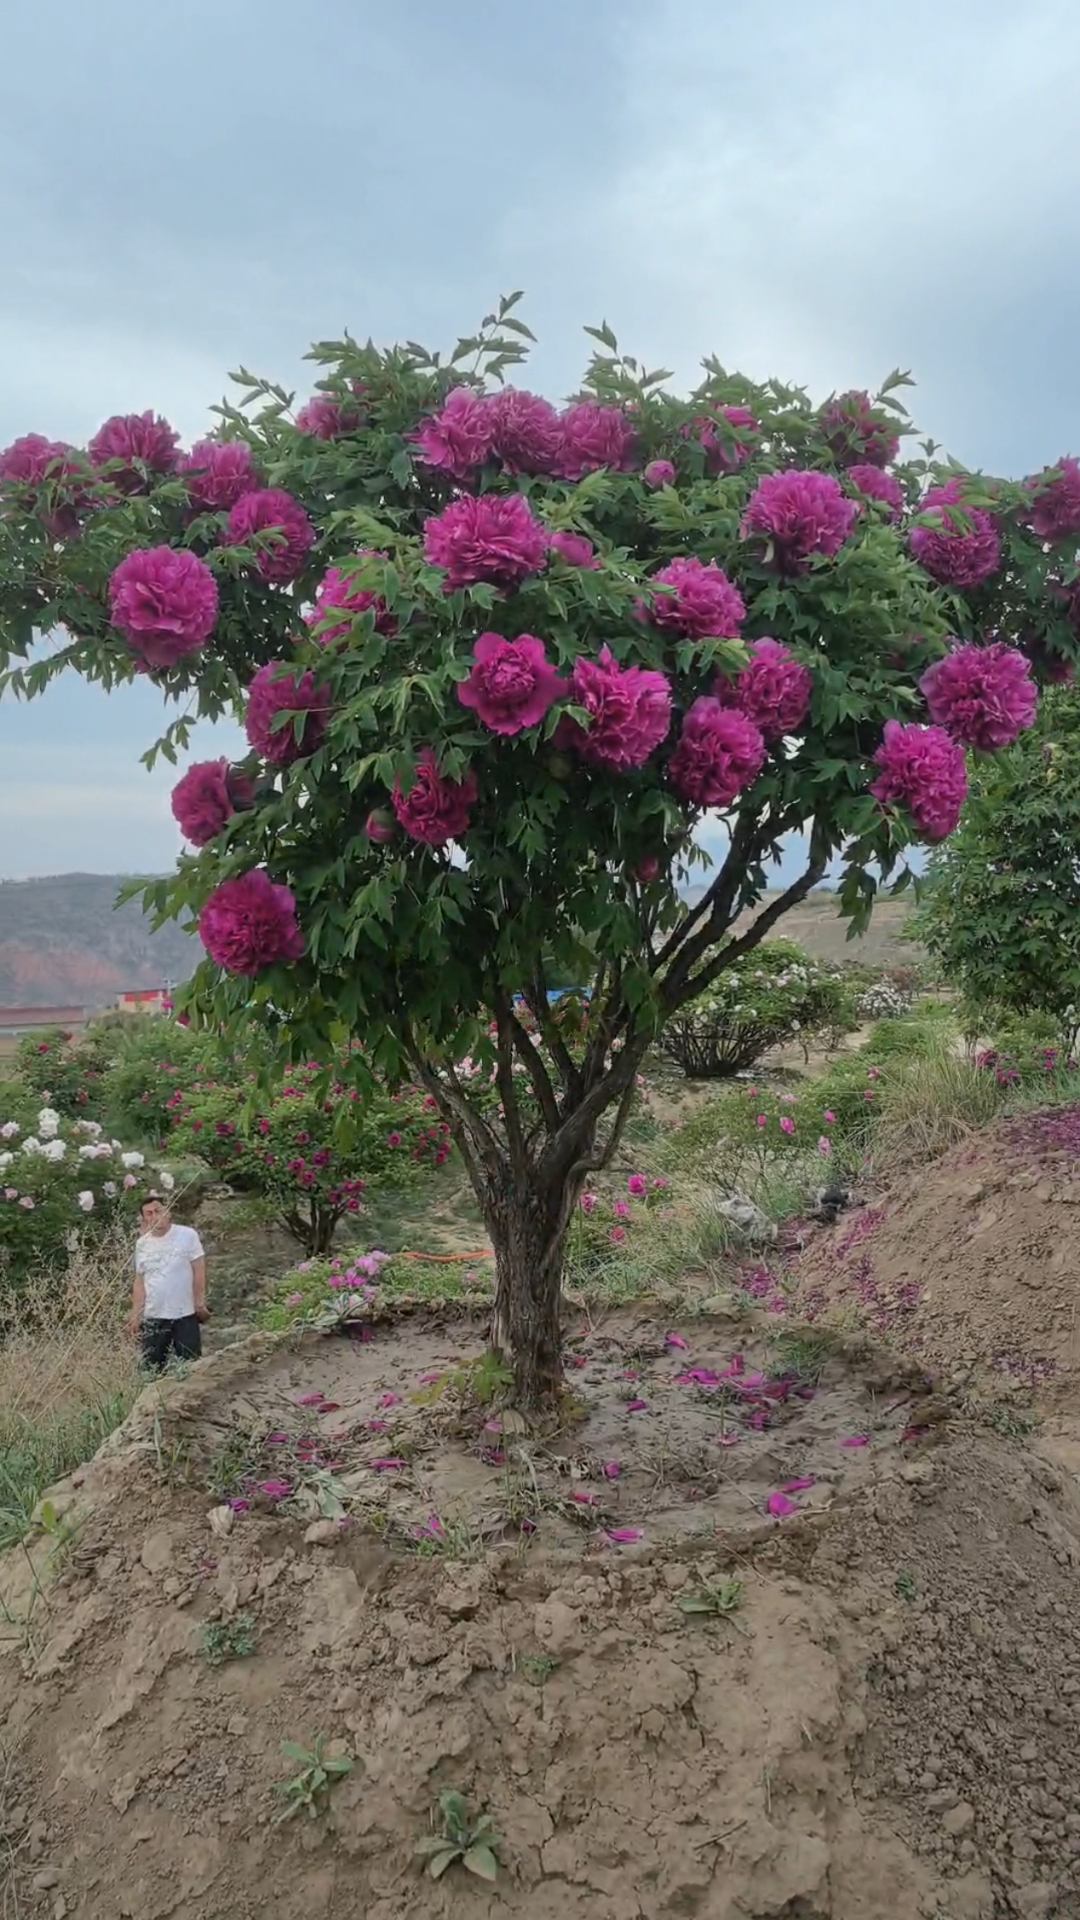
(314, 1149)
(443, 859)
(274, 693)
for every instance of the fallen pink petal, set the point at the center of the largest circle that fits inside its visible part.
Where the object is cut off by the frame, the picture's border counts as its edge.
(389, 1399)
(728, 1439)
(780, 1506)
(310, 1400)
(386, 1466)
(676, 1340)
(623, 1536)
(329, 1406)
(855, 1440)
(377, 1426)
(585, 1499)
(637, 1406)
(798, 1486)
(428, 1379)
(612, 1469)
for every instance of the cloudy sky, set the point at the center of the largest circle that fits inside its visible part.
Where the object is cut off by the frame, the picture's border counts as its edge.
(822, 192)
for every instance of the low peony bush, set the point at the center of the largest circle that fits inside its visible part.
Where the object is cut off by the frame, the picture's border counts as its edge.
(776, 994)
(66, 1073)
(62, 1182)
(883, 1000)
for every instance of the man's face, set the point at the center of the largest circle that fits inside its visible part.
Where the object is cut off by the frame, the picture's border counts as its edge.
(155, 1218)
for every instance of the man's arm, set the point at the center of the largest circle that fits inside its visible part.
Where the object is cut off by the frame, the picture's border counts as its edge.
(138, 1303)
(198, 1271)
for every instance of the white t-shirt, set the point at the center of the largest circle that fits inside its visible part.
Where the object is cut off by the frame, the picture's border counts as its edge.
(164, 1262)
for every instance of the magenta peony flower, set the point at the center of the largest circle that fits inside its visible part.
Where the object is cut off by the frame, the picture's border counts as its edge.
(164, 600)
(659, 473)
(703, 602)
(574, 549)
(326, 417)
(217, 472)
(952, 556)
(143, 442)
(32, 467)
(982, 696)
(594, 436)
(856, 433)
(798, 513)
(1054, 501)
(249, 923)
(491, 537)
(726, 449)
(208, 795)
(512, 684)
(922, 770)
(288, 535)
(457, 439)
(336, 593)
(719, 753)
(434, 809)
(379, 826)
(872, 484)
(526, 432)
(773, 690)
(629, 712)
(273, 692)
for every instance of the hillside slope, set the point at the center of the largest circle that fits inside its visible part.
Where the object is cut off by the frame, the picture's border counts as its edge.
(64, 942)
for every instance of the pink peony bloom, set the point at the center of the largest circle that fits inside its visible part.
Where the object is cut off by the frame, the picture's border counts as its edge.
(922, 770)
(325, 417)
(637, 1184)
(659, 473)
(617, 1235)
(164, 600)
(491, 537)
(593, 436)
(719, 753)
(856, 433)
(574, 549)
(798, 513)
(47, 478)
(629, 710)
(434, 809)
(272, 693)
(587, 1203)
(217, 473)
(1054, 501)
(824, 1143)
(526, 432)
(273, 521)
(953, 556)
(787, 1124)
(647, 870)
(338, 593)
(873, 484)
(249, 923)
(982, 696)
(457, 439)
(703, 603)
(773, 690)
(726, 449)
(143, 442)
(512, 683)
(208, 795)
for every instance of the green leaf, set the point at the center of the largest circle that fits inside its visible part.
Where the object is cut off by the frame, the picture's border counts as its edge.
(440, 1861)
(481, 1861)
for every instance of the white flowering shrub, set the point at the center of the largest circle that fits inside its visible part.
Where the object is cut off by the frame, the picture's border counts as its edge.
(62, 1181)
(883, 1000)
(774, 994)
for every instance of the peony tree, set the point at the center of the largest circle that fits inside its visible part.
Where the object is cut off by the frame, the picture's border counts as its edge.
(496, 661)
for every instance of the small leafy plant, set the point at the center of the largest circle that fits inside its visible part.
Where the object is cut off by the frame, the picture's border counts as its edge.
(721, 1598)
(223, 1640)
(473, 1842)
(906, 1587)
(310, 1787)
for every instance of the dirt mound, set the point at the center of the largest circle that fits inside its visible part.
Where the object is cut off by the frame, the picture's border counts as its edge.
(783, 1662)
(975, 1265)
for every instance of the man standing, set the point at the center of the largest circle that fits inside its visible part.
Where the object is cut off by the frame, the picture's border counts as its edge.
(169, 1299)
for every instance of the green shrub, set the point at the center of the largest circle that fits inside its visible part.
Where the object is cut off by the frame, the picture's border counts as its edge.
(763, 1000)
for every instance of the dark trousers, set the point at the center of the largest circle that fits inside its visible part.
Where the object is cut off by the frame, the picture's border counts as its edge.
(162, 1337)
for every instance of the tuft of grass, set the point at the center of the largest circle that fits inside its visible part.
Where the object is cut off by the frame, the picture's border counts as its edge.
(906, 1588)
(718, 1599)
(68, 1376)
(929, 1107)
(537, 1667)
(804, 1351)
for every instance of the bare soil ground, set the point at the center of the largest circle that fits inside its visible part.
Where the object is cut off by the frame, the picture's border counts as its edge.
(881, 1722)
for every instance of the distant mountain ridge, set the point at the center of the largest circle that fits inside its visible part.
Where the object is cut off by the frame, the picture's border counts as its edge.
(64, 942)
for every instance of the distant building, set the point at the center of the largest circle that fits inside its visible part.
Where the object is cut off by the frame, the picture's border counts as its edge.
(17, 1022)
(146, 1000)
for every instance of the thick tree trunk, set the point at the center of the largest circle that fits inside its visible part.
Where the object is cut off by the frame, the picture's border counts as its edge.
(528, 1231)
